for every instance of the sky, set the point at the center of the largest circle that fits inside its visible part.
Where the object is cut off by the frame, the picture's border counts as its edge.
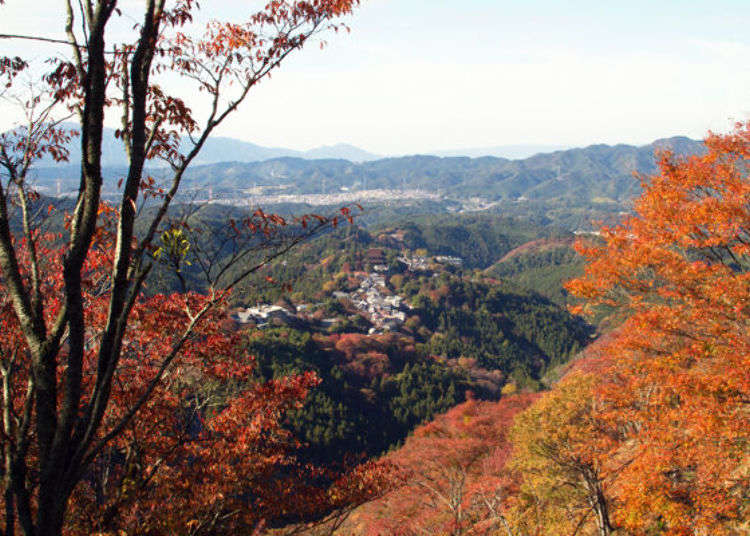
(426, 75)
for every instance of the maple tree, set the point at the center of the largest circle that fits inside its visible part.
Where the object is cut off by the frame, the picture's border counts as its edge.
(678, 270)
(92, 390)
(564, 453)
(455, 479)
(208, 453)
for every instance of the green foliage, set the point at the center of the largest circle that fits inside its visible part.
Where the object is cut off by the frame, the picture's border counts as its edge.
(351, 412)
(174, 248)
(500, 325)
(376, 389)
(543, 271)
(479, 240)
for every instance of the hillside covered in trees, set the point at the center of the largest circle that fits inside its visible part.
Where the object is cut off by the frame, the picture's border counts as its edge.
(597, 174)
(267, 343)
(459, 331)
(647, 431)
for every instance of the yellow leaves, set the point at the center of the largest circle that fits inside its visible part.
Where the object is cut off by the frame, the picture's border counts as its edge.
(561, 449)
(679, 269)
(175, 247)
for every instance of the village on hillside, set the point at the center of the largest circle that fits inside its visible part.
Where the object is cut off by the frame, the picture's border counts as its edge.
(372, 300)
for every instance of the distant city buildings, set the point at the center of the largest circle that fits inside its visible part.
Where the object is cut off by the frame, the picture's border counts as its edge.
(261, 195)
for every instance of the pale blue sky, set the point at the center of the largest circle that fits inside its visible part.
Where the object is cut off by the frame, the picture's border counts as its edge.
(421, 75)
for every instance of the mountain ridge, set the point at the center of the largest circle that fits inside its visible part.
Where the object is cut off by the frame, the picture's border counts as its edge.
(217, 147)
(599, 174)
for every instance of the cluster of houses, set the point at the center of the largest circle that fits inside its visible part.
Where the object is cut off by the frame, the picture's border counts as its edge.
(384, 311)
(370, 299)
(415, 263)
(449, 259)
(264, 316)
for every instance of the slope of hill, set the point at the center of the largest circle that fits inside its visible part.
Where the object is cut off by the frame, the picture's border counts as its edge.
(542, 266)
(458, 330)
(599, 174)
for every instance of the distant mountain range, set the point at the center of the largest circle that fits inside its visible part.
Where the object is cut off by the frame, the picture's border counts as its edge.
(218, 149)
(600, 174)
(222, 149)
(511, 152)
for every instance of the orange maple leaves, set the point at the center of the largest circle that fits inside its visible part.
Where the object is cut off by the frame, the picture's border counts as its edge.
(649, 432)
(680, 377)
(453, 473)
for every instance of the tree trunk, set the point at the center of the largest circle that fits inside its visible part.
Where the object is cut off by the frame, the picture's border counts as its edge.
(10, 508)
(602, 514)
(598, 502)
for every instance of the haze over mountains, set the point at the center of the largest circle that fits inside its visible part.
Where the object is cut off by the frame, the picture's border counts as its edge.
(223, 149)
(219, 149)
(594, 174)
(511, 152)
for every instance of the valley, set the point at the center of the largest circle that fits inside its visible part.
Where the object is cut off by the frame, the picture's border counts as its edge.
(543, 332)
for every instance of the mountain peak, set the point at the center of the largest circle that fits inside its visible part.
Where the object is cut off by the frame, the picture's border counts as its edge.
(222, 149)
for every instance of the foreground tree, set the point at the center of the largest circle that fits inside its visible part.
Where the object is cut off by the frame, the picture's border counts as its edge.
(679, 385)
(565, 457)
(78, 373)
(208, 453)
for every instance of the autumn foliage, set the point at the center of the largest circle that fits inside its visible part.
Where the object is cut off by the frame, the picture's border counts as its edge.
(648, 432)
(129, 413)
(122, 411)
(564, 453)
(208, 452)
(678, 271)
(454, 473)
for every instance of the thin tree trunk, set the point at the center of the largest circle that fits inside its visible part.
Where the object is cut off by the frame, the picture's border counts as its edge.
(602, 513)
(10, 507)
(598, 503)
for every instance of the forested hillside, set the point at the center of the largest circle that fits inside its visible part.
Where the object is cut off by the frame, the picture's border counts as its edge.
(646, 433)
(201, 336)
(542, 265)
(385, 368)
(598, 174)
